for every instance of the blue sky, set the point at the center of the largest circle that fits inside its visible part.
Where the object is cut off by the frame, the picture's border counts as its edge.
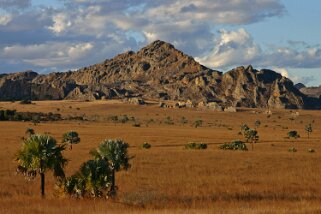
(61, 35)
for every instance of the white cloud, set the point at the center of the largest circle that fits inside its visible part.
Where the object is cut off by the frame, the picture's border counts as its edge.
(5, 19)
(60, 23)
(234, 48)
(48, 54)
(283, 71)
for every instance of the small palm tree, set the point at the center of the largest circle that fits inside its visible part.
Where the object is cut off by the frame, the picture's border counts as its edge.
(252, 136)
(93, 179)
(96, 174)
(114, 152)
(30, 131)
(257, 124)
(37, 155)
(71, 137)
(309, 129)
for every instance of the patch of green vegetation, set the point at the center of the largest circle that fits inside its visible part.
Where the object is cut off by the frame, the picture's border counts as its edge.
(234, 145)
(145, 145)
(192, 145)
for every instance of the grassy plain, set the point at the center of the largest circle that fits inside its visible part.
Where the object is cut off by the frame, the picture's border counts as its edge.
(168, 178)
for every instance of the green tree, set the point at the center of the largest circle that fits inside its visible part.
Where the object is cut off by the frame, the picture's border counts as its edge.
(251, 135)
(37, 155)
(71, 138)
(30, 131)
(244, 128)
(93, 179)
(257, 124)
(293, 134)
(309, 129)
(114, 152)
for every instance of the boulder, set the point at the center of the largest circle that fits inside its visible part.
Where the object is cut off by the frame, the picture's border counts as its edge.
(136, 101)
(230, 109)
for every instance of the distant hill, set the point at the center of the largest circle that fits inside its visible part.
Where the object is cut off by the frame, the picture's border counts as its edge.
(299, 86)
(159, 72)
(312, 91)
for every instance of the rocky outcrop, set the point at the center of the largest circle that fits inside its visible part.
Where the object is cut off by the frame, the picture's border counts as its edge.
(159, 72)
(312, 91)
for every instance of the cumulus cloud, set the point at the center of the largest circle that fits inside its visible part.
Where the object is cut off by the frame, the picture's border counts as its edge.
(5, 19)
(233, 48)
(48, 54)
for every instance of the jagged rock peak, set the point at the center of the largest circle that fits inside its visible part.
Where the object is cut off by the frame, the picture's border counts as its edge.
(159, 44)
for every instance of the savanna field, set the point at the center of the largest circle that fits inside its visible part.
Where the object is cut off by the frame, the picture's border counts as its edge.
(167, 178)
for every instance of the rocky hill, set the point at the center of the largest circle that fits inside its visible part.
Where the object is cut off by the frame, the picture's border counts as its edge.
(159, 72)
(311, 91)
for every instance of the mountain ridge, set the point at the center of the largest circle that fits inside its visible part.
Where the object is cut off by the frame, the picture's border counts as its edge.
(159, 72)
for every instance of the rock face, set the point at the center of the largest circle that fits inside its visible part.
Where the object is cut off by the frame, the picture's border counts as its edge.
(312, 91)
(159, 72)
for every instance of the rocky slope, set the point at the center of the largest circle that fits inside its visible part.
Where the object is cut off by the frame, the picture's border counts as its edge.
(159, 72)
(312, 91)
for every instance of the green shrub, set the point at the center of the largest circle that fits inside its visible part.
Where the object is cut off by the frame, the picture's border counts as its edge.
(292, 149)
(184, 120)
(192, 145)
(123, 119)
(136, 125)
(234, 145)
(145, 145)
(24, 102)
(198, 123)
(169, 121)
(293, 134)
(311, 150)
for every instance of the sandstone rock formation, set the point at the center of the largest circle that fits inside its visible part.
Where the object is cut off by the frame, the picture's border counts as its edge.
(159, 72)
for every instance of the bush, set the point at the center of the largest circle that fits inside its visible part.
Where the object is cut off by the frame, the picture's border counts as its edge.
(136, 125)
(24, 102)
(234, 145)
(311, 150)
(198, 123)
(184, 120)
(169, 121)
(192, 145)
(146, 145)
(292, 149)
(293, 134)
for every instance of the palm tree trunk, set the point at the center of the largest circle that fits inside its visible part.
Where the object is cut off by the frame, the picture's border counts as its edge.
(112, 188)
(42, 176)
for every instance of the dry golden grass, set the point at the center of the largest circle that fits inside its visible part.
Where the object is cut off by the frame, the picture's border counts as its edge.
(167, 178)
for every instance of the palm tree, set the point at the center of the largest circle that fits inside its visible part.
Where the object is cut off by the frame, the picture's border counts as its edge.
(38, 154)
(71, 137)
(114, 152)
(93, 178)
(96, 173)
(309, 129)
(30, 131)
